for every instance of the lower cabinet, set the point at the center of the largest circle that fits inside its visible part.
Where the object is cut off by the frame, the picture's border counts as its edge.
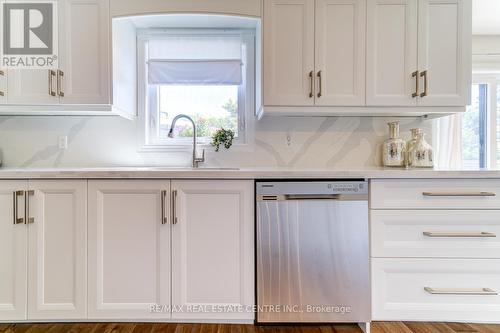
(129, 249)
(212, 249)
(43, 256)
(143, 232)
(429, 289)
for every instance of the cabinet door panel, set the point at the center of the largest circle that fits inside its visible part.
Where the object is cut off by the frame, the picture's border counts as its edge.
(57, 279)
(340, 51)
(391, 52)
(3, 86)
(212, 244)
(444, 51)
(85, 51)
(129, 249)
(13, 254)
(30, 87)
(288, 52)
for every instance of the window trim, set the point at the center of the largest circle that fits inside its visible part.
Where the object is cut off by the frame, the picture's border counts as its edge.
(246, 99)
(493, 81)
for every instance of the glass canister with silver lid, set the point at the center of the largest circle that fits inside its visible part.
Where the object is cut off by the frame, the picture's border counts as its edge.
(420, 153)
(394, 148)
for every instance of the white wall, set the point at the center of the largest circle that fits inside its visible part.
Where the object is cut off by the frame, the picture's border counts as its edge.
(336, 142)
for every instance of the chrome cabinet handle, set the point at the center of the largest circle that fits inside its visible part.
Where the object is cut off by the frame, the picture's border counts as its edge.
(16, 195)
(174, 204)
(60, 91)
(52, 73)
(424, 74)
(311, 84)
(319, 87)
(415, 75)
(443, 291)
(459, 234)
(27, 217)
(164, 218)
(458, 194)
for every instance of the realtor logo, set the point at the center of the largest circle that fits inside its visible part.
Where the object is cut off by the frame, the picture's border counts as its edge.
(28, 36)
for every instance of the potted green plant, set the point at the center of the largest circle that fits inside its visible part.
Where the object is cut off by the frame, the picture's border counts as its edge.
(222, 137)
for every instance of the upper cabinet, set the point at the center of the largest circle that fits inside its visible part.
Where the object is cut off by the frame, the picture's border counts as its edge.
(303, 63)
(417, 55)
(444, 52)
(289, 52)
(391, 53)
(418, 52)
(84, 52)
(82, 80)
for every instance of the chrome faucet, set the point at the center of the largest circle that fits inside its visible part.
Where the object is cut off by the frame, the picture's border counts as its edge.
(196, 160)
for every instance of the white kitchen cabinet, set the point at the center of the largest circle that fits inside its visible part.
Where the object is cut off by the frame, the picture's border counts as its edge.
(32, 87)
(129, 248)
(340, 52)
(452, 290)
(432, 69)
(84, 52)
(212, 247)
(13, 252)
(391, 52)
(314, 53)
(84, 56)
(57, 250)
(288, 52)
(444, 51)
(3, 86)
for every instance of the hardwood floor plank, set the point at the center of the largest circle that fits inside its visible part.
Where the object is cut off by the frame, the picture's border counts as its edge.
(460, 327)
(390, 327)
(486, 328)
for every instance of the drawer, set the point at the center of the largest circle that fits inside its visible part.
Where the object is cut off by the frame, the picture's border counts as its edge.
(435, 194)
(435, 233)
(460, 290)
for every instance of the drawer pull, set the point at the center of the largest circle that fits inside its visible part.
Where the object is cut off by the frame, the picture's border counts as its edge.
(482, 291)
(459, 234)
(458, 194)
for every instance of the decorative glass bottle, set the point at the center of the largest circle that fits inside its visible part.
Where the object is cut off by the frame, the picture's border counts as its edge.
(394, 148)
(420, 153)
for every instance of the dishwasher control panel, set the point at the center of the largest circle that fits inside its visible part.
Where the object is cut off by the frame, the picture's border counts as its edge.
(312, 187)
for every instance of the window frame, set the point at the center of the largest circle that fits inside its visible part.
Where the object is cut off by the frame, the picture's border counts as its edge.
(492, 80)
(246, 93)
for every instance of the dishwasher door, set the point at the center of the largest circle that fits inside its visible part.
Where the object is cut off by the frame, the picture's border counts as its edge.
(313, 259)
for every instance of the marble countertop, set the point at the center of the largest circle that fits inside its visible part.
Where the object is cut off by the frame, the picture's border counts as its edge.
(233, 173)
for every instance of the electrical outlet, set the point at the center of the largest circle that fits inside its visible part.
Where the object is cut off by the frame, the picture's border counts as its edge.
(63, 142)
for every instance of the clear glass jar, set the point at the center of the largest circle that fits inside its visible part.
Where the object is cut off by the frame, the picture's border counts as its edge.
(394, 148)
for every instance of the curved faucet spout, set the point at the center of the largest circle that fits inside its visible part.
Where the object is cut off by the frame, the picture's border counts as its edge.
(196, 160)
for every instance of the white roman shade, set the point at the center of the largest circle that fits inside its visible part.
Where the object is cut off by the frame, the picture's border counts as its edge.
(195, 60)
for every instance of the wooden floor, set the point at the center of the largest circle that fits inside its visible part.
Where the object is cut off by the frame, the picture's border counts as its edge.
(385, 327)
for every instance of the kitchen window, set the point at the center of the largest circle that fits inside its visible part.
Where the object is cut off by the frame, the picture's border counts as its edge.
(205, 74)
(481, 124)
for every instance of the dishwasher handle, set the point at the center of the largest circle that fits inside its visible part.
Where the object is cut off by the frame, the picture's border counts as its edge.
(305, 197)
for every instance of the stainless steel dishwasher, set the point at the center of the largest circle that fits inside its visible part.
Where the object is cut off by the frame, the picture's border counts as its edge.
(312, 252)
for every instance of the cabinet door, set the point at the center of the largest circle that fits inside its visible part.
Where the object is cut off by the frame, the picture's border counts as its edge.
(212, 248)
(31, 87)
(288, 52)
(340, 52)
(85, 51)
(391, 54)
(444, 51)
(13, 253)
(129, 249)
(3, 86)
(57, 277)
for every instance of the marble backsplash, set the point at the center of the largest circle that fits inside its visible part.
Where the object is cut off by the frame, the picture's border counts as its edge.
(295, 142)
